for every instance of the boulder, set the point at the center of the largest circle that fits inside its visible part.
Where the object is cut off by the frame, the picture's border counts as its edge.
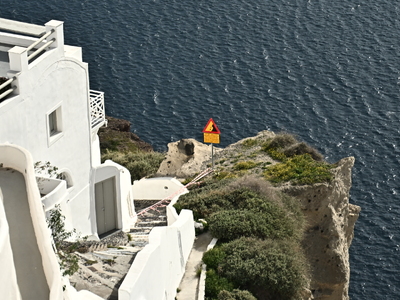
(185, 158)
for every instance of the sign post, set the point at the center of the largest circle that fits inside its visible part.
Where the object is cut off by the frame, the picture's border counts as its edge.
(211, 135)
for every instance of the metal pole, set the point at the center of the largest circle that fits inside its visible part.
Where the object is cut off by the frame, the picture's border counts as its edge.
(212, 155)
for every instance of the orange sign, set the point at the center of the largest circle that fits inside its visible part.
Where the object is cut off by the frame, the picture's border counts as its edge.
(211, 127)
(212, 138)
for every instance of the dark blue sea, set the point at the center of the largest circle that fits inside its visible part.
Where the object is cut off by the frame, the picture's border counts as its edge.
(327, 71)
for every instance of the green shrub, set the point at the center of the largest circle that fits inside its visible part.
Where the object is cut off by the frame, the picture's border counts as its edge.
(244, 165)
(204, 201)
(276, 154)
(68, 260)
(301, 169)
(280, 141)
(223, 175)
(140, 164)
(215, 284)
(235, 295)
(212, 258)
(228, 225)
(249, 143)
(303, 148)
(271, 269)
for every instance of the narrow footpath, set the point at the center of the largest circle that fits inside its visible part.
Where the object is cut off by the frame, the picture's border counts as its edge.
(26, 254)
(190, 281)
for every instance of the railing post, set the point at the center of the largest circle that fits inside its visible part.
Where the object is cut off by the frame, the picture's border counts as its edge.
(58, 34)
(18, 59)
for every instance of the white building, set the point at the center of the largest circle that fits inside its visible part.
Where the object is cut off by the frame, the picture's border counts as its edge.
(49, 114)
(47, 108)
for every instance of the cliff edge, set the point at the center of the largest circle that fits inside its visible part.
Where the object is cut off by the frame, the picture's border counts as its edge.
(330, 218)
(330, 231)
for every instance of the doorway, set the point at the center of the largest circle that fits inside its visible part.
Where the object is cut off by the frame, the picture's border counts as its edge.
(106, 210)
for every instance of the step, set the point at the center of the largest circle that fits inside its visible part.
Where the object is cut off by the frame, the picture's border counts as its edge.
(151, 224)
(152, 218)
(138, 235)
(142, 229)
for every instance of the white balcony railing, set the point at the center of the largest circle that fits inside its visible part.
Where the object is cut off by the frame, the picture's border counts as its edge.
(97, 111)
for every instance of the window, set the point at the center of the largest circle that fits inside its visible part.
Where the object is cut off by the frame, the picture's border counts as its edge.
(54, 125)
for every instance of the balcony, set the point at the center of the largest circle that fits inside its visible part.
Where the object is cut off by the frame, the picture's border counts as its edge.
(97, 112)
(52, 191)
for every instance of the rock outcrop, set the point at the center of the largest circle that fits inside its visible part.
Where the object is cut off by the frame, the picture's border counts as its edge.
(330, 230)
(185, 158)
(117, 136)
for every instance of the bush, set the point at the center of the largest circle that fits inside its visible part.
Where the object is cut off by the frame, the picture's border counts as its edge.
(212, 258)
(303, 148)
(267, 223)
(301, 169)
(215, 284)
(280, 141)
(249, 143)
(67, 259)
(271, 269)
(235, 295)
(139, 164)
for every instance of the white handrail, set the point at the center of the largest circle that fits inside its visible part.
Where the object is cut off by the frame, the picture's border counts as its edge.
(41, 49)
(40, 40)
(10, 90)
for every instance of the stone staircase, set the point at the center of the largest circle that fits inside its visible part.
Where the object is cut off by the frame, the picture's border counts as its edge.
(146, 222)
(104, 264)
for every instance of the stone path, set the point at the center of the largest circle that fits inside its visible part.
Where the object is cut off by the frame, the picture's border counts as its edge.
(103, 268)
(190, 281)
(26, 253)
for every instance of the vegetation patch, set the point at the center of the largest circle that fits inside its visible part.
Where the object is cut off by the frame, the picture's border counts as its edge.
(300, 169)
(67, 259)
(244, 165)
(250, 143)
(264, 229)
(271, 269)
(140, 164)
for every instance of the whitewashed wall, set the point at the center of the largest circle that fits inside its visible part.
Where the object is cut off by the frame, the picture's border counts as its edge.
(8, 278)
(19, 159)
(160, 266)
(58, 78)
(125, 206)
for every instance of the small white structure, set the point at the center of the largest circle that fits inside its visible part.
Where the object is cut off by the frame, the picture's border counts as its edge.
(47, 107)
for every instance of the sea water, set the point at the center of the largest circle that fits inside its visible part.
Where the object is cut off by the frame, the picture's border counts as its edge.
(327, 71)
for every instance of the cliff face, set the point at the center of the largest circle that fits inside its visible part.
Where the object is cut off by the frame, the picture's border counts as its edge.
(330, 217)
(330, 230)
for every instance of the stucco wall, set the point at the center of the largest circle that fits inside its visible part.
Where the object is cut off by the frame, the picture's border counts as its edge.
(50, 82)
(125, 208)
(159, 267)
(19, 159)
(8, 279)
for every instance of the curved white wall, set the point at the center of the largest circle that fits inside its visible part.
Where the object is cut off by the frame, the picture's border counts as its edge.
(125, 207)
(19, 159)
(8, 278)
(160, 266)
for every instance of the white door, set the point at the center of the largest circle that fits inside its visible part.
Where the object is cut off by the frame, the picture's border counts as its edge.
(106, 212)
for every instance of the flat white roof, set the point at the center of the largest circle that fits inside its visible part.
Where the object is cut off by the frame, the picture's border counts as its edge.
(21, 27)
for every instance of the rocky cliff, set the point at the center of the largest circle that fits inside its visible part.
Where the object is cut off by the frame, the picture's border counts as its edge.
(330, 217)
(330, 230)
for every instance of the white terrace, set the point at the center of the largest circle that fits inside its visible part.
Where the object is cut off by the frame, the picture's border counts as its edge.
(24, 45)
